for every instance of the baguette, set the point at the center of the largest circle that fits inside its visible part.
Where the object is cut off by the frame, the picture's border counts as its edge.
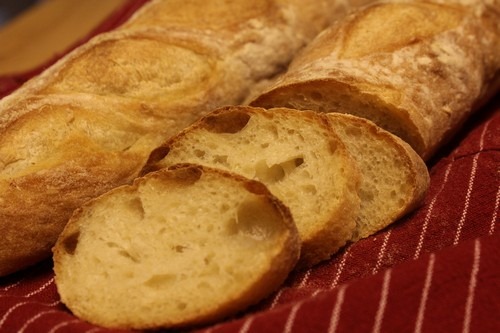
(416, 68)
(394, 178)
(88, 123)
(296, 154)
(179, 247)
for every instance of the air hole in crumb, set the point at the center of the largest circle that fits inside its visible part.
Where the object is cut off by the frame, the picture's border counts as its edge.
(179, 248)
(257, 218)
(276, 172)
(158, 280)
(231, 227)
(122, 252)
(224, 208)
(136, 205)
(186, 175)
(199, 153)
(70, 242)
(181, 305)
(158, 154)
(310, 189)
(127, 255)
(226, 122)
(221, 159)
(298, 161)
(333, 147)
(269, 174)
(208, 258)
(366, 195)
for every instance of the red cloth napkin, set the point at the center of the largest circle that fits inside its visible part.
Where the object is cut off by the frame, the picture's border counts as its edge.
(436, 270)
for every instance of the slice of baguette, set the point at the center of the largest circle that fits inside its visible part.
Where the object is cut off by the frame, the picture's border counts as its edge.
(416, 68)
(295, 153)
(183, 246)
(394, 177)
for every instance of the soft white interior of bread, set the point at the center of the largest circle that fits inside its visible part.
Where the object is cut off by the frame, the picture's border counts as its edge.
(296, 156)
(388, 179)
(167, 253)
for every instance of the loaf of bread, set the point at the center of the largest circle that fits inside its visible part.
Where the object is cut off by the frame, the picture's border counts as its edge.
(179, 247)
(295, 153)
(394, 177)
(416, 68)
(88, 123)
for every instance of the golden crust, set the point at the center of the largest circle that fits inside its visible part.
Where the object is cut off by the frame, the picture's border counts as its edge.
(418, 78)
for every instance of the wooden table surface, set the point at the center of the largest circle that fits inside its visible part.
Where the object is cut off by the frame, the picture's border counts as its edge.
(47, 28)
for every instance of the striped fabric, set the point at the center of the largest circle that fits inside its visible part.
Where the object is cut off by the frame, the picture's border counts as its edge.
(436, 270)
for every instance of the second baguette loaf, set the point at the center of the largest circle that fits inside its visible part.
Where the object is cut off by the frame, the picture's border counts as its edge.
(415, 68)
(88, 123)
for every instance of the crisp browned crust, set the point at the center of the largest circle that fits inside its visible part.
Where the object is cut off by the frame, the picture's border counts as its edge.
(416, 68)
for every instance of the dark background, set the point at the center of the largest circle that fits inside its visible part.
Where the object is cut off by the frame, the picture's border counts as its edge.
(11, 8)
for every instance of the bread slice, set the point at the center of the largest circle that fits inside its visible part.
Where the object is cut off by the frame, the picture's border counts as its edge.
(295, 153)
(394, 177)
(183, 246)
